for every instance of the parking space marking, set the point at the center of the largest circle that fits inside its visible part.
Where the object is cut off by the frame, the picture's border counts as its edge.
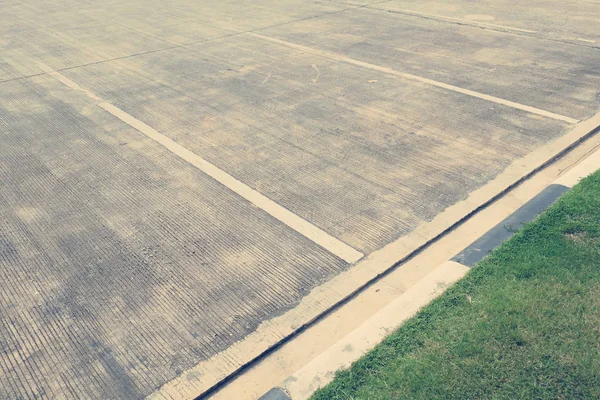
(459, 21)
(297, 223)
(390, 71)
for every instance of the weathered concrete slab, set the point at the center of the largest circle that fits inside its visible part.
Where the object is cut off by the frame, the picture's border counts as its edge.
(73, 32)
(124, 266)
(364, 161)
(573, 21)
(560, 77)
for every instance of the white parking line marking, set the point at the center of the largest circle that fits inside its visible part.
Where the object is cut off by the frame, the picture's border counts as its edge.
(297, 223)
(453, 19)
(472, 93)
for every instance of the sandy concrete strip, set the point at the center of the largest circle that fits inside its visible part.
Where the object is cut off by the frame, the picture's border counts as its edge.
(427, 81)
(589, 164)
(205, 375)
(581, 170)
(322, 369)
(282, 214)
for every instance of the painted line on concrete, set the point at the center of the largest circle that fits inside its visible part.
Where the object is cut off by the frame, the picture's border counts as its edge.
(321, 370)
(297, 223)
(427, 81)
(493, 238)
(460, 21)
(484, 25)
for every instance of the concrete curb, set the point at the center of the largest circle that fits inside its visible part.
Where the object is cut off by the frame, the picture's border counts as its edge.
(275, 394)
(341, 355)
(483, 246)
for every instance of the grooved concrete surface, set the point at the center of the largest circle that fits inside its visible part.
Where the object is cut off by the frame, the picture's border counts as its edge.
(124, 266)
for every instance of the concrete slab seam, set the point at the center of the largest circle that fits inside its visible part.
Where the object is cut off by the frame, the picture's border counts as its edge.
(187, 44)
(321, 370)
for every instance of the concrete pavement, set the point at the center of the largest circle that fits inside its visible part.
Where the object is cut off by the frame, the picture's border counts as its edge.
(175, 176)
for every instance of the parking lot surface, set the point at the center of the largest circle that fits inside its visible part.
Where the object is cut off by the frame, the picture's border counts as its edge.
(175, 174)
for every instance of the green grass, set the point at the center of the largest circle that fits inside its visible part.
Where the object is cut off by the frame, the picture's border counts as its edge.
(523, 324)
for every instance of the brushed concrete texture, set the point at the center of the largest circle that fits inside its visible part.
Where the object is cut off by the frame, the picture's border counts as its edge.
(570, 20)
(559, 77)
(364, 161)
(124, 266)
(70, 33)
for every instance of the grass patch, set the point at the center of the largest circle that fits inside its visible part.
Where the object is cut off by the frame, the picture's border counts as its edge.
(523, 324)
